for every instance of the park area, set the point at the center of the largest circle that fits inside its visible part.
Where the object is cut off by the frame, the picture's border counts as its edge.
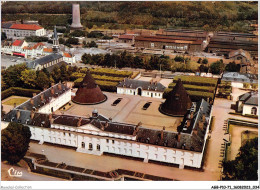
(239, 136)
(197, 87)
(9, 102)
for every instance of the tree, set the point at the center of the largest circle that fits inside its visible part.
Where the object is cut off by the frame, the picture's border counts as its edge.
(15, 141)
(3, 36)
(42, 80)
(61, 40)
(217, 67)
(254, 86)
(232, 67)
(245, 165)
(205, 61)
(63, 72)
(55, 74)
(74, 41)
(29, 78)
(91, 44)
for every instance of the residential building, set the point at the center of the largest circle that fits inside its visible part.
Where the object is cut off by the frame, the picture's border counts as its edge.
(69, 58)
(141, 88)
(13, 30)
(247, 103)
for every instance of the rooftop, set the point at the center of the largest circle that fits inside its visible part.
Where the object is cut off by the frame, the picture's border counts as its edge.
(26, 26)
(18, 43)
(44, 60)
(145, 85)
(249, 98)
(240, 77)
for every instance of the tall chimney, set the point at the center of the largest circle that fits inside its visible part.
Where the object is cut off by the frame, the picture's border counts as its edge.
(201, 125)
(32, 114)
(136, 129)
(34, 94)
(52, 91)
(162, 133)
(42, 96)
(14, 105)
(32, 101)
(179, 137)
(191, 115)
(76, 17)
(18, 113)
(195, 131)
(203, 117)
(59, 86)
(79, 122)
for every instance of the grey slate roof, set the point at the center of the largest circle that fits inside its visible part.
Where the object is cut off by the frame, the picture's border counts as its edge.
(7, 25)
(249, 98)
(240, 77)
(145, 85)
(47, 96)
(44, 60)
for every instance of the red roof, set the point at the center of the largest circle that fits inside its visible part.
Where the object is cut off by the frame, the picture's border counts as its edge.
(47, 50)
(26, 26)
(18, 42)
(37, 45)
(125, 36)
(67, 54)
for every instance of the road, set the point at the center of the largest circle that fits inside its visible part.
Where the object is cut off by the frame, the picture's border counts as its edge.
(26, 175)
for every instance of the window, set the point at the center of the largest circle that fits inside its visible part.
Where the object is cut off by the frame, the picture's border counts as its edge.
(98, 147)
(174, 159)
(152, 44)
(90, 146)
(69, 134)
(64, 133)
(107, 140)
(253, 111)
(82, 145)
(113, 141)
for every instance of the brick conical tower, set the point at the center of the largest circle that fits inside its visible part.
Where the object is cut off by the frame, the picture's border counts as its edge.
(89, 92)
(177, 102)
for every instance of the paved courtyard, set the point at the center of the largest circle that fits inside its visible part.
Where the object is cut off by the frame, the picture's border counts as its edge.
(129, 110)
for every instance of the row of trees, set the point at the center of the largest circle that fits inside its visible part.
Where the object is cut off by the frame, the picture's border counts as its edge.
(20, 76)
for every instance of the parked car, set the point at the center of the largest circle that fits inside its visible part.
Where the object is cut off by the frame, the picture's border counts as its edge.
(146, 105)
(116, 101)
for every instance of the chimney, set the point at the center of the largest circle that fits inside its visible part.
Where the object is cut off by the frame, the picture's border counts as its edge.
(51, 119)
(59, 86)
(52, 91)
(18, 114)
(44, 88)
(32, 101)
(34, 94)
(162, 133)
(191, 115)
(52, 84)
(201, 125)
(14, 105)
(179, 137)
(203, 117)
(137, 129)
(110, 119)
(195, 131)
(32, 114)
(42, 96)
(79, 122)
(188, 123)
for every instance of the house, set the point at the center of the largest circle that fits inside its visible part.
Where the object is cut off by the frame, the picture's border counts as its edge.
(238, 79)
(97, 134)
(13, 30)
(248, 103)
(17, 47)
(141, 88)
(46, 61)
(69, 58)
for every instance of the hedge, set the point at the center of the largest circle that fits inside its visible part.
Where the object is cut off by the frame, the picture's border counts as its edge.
(77, 75)
(104, 85)
(197, 80)
(195, 87)
(18, 92)
(111, 72)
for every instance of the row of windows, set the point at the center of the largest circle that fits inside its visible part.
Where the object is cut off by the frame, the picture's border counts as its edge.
(90, 146)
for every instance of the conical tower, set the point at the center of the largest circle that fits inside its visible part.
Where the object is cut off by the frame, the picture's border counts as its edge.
(55, 46)
(177, 102)
(89, 92)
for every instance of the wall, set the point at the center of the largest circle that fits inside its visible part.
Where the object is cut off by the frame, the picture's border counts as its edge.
(145, 93)
(56, 103)
(247, 109)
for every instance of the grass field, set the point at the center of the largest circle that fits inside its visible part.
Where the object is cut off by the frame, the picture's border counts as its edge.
(16, 100)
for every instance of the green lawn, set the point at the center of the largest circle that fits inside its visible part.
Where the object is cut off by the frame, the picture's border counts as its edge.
(16, 100)
(247, 135)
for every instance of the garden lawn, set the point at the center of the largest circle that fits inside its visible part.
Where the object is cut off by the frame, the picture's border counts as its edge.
(16, 100)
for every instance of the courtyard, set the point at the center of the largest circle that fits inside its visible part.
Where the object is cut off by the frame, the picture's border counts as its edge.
(128, 110)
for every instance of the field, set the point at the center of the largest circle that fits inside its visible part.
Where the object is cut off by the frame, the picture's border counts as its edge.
(15, 100)
(196, 86)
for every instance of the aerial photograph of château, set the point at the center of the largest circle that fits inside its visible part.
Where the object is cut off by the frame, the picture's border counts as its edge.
(129, 91)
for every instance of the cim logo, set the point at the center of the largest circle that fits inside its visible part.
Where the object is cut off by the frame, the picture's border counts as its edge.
(14, 173)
